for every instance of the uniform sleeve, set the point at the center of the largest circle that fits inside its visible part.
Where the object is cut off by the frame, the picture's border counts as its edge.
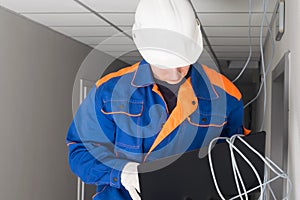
(90, 141)
(234, 121)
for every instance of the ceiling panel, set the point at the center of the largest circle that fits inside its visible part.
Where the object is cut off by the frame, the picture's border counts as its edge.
(233, 41)
(212, 19)
(230, 5)
(120, 18)
(239, 58)
(127, 29)
(225, 23)
(200, 5)
(83, 19)
(233, 31)
(42, 6)
(88, 31)
(105, 40)
(91, 40)
(234, 48)
(112, 5)
(230, 19)
(237, 54)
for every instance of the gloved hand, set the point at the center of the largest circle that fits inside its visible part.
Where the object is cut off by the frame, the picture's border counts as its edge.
(130, 180)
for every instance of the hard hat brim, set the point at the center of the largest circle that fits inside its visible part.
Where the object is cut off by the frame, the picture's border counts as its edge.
(168, 49)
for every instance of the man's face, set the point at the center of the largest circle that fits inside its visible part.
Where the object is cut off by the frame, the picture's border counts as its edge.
(171, 76)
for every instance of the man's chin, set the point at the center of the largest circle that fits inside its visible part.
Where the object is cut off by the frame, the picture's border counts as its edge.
(173, 81)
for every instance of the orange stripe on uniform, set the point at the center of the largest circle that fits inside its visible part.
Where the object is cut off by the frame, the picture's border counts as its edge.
(70, 143)
(187, 103)
(206, 125)
(222, 82)
(246, 131)
(121, 112)
(117, 74)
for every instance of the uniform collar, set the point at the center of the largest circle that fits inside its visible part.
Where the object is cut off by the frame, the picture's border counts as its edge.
(202, 86)
(143, 75)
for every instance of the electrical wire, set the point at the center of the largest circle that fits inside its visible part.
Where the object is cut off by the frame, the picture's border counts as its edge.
(250, 43)
(270, 164)
(269, 63)
(263, 65)
(237, 171)
(238, 180)
(268, 68)
(265, 180)
(271, 191)
(231, 141)
(213, 173)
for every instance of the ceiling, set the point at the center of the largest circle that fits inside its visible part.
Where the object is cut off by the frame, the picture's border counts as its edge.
(224, 21)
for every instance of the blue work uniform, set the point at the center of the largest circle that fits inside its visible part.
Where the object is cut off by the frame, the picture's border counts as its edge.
(125, 118)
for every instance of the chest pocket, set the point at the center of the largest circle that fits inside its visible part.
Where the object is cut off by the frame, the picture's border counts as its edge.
(207, 120)
(126, 116)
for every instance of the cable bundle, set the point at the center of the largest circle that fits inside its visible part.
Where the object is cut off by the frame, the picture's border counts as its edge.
(242, 192)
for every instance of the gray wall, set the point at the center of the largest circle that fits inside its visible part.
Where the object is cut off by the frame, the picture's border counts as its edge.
(37, 72)
(290, 42)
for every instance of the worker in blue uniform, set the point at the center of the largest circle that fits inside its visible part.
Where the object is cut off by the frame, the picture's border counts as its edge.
(164, 105)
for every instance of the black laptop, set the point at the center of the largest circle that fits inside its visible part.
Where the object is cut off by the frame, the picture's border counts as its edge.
(189, 177)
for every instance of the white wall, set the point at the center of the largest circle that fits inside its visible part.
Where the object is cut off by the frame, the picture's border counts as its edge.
(38, 67)
(290, 41)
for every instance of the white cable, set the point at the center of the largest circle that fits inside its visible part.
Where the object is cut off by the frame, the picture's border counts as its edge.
(266, 175)
(288, 179)
(244, 188)
(268, 68)
(236, 171)
(211, 165)
(279, 176)
(250, 43)
(257, 95)
(263, 65)
(270, 61)
(271, 191)
(252, 167)
(267, 161)
(270, 164)
(213, 173)
(255, 188)
(238, 179)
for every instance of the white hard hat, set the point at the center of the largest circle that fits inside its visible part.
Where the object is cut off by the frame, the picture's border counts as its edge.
(167, 33)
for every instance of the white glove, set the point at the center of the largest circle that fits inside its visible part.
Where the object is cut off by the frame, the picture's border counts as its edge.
(130, 180)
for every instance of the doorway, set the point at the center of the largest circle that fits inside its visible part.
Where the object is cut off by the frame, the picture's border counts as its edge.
(279, 121)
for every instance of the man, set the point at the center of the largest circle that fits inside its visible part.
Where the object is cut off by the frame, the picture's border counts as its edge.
(165, 104)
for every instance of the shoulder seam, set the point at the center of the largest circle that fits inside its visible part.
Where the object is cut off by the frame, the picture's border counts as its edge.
(118, 73)
(221, 81)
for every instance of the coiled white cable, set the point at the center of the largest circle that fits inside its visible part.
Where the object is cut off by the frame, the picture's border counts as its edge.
(237, 176)
(250, 43)
(250, 164)
(269, 163)
(236, 169)
(266, 22)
